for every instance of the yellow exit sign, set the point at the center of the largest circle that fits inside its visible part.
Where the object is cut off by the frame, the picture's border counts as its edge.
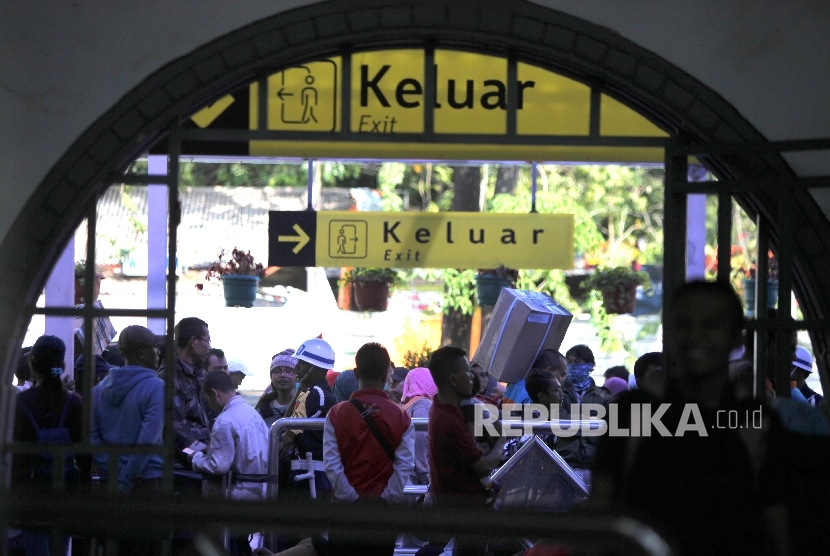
(420, 240)
(387, 97)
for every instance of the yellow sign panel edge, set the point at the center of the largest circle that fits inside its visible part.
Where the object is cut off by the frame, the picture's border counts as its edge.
(454, 151)
(617, 119)
(444, 240)
(567, 113)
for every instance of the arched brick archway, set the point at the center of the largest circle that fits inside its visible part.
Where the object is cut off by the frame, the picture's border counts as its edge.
(526, 31)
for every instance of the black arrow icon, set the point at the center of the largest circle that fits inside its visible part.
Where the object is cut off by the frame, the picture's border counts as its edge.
(282, 95)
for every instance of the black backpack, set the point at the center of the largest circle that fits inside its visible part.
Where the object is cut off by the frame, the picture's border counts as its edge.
(41, 464)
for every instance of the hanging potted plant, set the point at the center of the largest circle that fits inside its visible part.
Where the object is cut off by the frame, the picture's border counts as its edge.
(748, 284)
(240, 277)
(490, 282)
(371, 286)
(618, 287)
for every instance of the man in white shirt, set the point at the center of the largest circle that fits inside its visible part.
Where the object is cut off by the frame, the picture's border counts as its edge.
(238, 442)
(238, 439)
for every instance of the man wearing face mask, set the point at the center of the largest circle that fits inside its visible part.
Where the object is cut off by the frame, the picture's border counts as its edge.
(579, 389)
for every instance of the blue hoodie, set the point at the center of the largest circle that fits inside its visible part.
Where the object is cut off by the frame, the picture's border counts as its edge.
(128, 409)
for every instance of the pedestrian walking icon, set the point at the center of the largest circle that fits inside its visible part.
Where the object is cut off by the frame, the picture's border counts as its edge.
(348, 239)
(304, 97)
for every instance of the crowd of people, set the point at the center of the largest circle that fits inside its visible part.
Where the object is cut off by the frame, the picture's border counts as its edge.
(735, 483)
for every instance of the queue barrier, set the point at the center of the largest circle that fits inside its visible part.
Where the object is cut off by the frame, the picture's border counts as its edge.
(281, 425)
(421, 424)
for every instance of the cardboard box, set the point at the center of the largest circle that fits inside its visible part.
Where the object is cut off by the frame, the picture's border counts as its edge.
(523, 323)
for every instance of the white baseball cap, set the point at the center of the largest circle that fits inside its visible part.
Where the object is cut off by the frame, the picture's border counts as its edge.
(237, 366)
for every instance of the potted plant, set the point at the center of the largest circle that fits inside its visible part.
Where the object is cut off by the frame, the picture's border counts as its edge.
(240, 277)
(490, 281)
(618, 287)
(747, 276)
(371, 286)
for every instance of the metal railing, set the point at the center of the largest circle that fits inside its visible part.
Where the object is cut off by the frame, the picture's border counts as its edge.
(159, 516)
(420, 424)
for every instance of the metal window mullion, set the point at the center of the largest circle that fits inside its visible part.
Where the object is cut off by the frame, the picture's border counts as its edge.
(113, 472)
(512, 96)
(674, 239)
(674, 231)
(213, 135)
(136, 179)
(73, 312)
(89, 361)
(346, 94)
(811, 325)
(534, 170)
(595, 113)
(818, 144)
(760, 309)
(174, 217)
(760, 184)
(430, 91)
(83, 448)
(56, 540)
(784, 351)
(724, 235)
(262, 109)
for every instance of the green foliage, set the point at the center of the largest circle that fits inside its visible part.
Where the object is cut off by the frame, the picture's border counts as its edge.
(335, 173)
(138, 167)
(80, 268)
(138, 223)
(626, 203)
(390, 177)
(611, 337)
(604, 279)
(420, 358)
(239, 174)
(121, 244)
(359, 275)
(618, 210)
(648, 329)
(551, 282)
(459, 290)
(429, 185)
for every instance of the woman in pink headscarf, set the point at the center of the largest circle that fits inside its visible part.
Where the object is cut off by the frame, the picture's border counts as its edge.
(418, 390)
